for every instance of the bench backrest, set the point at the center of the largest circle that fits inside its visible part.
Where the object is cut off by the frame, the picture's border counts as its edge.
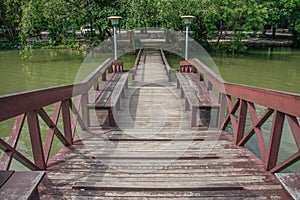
(116, 66)
(186, 67)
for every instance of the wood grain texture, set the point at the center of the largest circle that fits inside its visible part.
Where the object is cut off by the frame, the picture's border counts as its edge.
(154, 153)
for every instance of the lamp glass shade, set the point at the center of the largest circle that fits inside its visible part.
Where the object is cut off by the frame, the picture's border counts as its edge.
(187, 18)
(115, 19)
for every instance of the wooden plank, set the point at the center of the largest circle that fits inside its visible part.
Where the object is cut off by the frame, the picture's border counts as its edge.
(291, 183)
(4, 176)
(22, 185)
(108, 98)
(157, 188)
(116, 94)
(200, 89)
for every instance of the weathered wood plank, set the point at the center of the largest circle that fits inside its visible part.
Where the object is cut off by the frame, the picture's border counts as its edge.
(22, 185)
(291, 183)
(154, 153)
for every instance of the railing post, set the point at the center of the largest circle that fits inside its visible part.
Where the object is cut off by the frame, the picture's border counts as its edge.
(36, 140)
(201, 78)
(67, 121)
(241, 122)
(84, 110)
(209, 86)
(104, 76)
(275, 138)
(222, 110)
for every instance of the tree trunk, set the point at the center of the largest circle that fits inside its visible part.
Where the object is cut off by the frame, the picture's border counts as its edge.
(274, 32)
(220, 34)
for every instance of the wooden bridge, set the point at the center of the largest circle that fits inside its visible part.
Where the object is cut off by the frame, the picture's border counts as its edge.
(144, 136)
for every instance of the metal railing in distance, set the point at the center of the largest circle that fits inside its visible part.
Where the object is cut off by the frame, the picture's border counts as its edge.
(70, 100)
(239, 101)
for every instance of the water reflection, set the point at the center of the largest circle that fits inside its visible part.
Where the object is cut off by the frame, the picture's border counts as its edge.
(44, 68)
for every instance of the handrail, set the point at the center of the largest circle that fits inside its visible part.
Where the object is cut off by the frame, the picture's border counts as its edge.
(67, 99)
(168, 69)
(136, 63)
(281, 101)
(18, 103)
(279, 104)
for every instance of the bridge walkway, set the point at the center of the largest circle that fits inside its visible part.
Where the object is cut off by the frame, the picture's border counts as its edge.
(154, 153)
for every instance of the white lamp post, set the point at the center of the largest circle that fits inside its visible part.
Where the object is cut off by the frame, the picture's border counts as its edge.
(115, 22)
(187, 21)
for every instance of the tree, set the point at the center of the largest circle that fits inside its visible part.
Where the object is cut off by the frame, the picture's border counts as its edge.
(63, 14)
(31, 21)
(238, 18)
(10, 17)
(140, 14)
(292, 11)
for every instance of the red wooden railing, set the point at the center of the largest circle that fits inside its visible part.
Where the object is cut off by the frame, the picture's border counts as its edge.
(237, 100)
(70, 100)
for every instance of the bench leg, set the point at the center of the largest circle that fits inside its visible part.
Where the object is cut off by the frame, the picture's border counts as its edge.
(181, 93)
(111, 119)
(35, 195)
(187, 105)
(194, 116)
(217, 125)
(118, 104)
(123, 93)
(205, 116)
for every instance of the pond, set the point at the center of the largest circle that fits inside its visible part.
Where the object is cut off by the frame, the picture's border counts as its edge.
(47, 68)
(275, 69)
(278, 69)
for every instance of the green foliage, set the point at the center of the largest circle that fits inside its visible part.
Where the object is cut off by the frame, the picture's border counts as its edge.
(9, 44)
(26, 18)
(292, 13)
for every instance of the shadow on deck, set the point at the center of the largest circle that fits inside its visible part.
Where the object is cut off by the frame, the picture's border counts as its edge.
(154, 152)
(151, 137)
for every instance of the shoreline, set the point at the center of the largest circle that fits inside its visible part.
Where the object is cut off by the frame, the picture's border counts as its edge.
(260, 42)
(85, 43)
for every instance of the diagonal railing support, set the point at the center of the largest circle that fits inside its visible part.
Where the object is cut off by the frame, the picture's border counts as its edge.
(13, 142)
(274, 142)
(36, 140)
(242, 117)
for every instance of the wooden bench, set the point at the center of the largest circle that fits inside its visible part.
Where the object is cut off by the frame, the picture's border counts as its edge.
(20, 185)
(197, 96)
(107, 97)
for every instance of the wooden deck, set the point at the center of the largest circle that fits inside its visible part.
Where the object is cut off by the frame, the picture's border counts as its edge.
(154, 153)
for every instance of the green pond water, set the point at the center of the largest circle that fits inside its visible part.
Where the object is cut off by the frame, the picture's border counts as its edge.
(278, 69)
